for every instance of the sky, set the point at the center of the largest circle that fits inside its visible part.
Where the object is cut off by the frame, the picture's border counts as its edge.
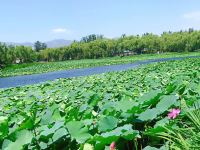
(44, 20)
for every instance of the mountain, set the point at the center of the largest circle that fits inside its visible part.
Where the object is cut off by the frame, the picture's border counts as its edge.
(50, 44)
(24, 44)
(58, 43)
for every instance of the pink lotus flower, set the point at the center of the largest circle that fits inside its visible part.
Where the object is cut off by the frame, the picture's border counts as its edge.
(174, 113)
(112, 146)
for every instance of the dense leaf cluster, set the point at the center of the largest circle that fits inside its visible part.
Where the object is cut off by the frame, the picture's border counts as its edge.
(42, 67)
(16, 54)
(95, 46)
(127, 107)
(126, 45)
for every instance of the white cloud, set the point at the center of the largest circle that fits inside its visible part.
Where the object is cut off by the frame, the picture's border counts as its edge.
(61, 30)
(192, 16)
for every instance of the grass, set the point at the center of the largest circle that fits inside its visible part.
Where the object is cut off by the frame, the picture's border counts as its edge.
(187, 135)
(43, 67)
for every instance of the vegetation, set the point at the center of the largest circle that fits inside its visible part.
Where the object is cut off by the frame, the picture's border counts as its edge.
(95, 46)
(15, 54)
(91, 38)
(187, 134)
(39, 46)
(42, 67)
(125, 109)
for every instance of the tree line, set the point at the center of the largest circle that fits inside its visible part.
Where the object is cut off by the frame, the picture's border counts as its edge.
(96, 46)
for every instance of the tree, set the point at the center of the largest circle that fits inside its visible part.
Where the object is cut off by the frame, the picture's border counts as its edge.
(96, 46)
(123, 35)
(39, 46)
(43, 46)
(191, 30)
(91, 37)
(3, 54)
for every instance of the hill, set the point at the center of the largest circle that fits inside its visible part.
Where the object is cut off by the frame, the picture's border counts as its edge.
(50, 44)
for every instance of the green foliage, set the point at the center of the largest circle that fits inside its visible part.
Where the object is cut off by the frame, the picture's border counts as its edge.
(187, 134)
(78, 131)
(23, 138)
(91, 37)
(15, 54)
(129, 108)
(42, 67)
(3, 126)
(107, 123)
(96, 46)
(39, 46)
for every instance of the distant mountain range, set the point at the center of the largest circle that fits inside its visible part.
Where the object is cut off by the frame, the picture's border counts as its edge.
(50, 44)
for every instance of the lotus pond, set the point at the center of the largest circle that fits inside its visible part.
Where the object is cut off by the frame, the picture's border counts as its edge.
(128, 108)
(43, 67)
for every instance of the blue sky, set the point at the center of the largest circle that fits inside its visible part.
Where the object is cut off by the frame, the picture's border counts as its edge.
(31, 20)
